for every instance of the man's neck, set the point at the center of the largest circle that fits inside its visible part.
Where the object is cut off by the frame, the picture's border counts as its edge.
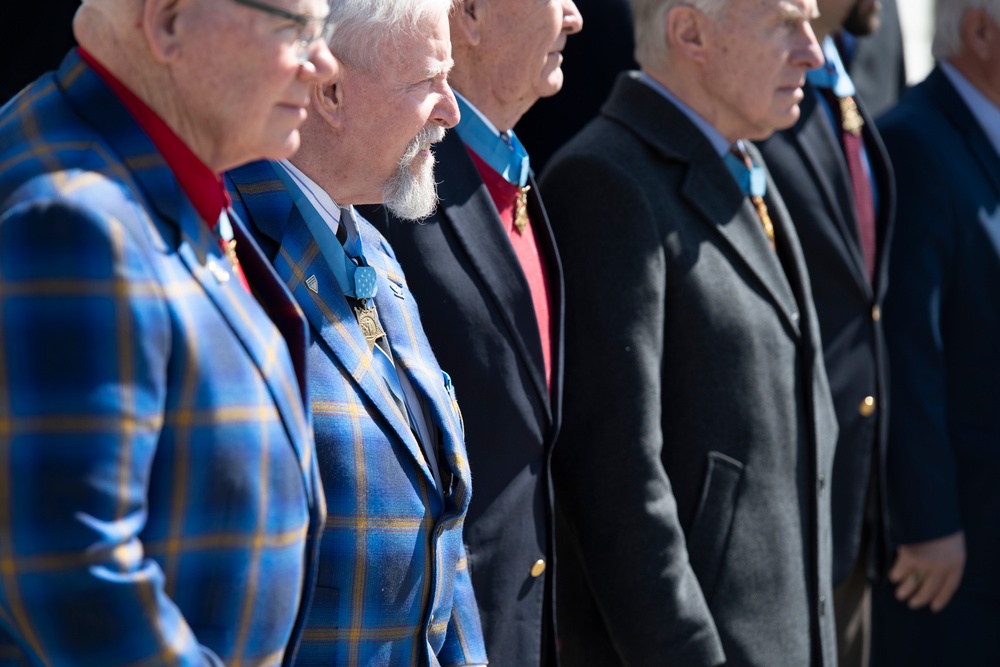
(478, 94)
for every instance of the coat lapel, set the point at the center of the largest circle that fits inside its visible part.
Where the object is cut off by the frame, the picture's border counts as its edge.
(196, 247)
(469, 212)
(327, 310)
(708, 187)
(413, 355)
(821, 150)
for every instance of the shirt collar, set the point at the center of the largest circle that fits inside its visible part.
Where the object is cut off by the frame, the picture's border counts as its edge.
(832, 74)
(486, 121)
(713, 135)
(202, 186)
(985, 112)
(319, 198)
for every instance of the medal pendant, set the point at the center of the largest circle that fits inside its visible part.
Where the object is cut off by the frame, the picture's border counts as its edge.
(765, 219)
(231, 252)
(370, 328)
(521, 209)
(852, 120)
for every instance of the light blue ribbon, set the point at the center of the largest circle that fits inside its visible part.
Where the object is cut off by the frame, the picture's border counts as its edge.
(504, 155)
(356, 280)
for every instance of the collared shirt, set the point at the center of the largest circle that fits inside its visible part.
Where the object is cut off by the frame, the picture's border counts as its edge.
(202, 186)
(329, 211)
(986, 113)
(719, 142)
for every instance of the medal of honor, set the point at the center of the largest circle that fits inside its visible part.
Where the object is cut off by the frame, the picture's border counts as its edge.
(521, 209)
(370, 328)
(852, 120)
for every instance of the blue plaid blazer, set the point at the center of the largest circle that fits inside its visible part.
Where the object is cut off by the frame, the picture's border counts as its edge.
(159, 497)
(394, 586)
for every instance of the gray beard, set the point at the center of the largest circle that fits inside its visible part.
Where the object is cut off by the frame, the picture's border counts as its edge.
(411, 193)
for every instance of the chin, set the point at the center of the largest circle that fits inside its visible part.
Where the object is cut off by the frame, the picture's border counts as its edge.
(551, 84)
(285, 147)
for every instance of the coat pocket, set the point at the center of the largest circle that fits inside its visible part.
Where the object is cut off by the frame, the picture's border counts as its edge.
(713, 521)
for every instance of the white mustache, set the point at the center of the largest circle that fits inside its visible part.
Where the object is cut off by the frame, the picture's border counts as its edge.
(429, 134)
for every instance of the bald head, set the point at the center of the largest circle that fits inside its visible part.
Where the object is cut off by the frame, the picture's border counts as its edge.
(230, 80)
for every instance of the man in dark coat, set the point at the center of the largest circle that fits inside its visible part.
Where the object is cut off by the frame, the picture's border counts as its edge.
(836, 180)
(486, 273)
(692, 471)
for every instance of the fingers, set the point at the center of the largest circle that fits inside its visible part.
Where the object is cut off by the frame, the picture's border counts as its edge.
(927, 589)
(901, 568)
(947, 590)
(909, 583)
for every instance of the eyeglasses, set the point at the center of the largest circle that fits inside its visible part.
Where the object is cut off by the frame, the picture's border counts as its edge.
(310, 28)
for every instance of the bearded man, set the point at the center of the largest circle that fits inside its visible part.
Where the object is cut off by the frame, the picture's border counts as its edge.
(488, 276)
(837, 182)
(393, 585)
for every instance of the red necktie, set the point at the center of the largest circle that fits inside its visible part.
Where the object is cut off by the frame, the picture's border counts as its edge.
(849, 122)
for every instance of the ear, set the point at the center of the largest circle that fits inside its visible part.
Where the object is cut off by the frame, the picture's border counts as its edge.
(328, 102)
(686, 33)
(467, 21)
(979, 33)
(160, 22)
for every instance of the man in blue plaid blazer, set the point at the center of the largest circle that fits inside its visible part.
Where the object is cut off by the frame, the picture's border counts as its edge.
(160, 502)
(394, 587)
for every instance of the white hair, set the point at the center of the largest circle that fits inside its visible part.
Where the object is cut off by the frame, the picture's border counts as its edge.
(948, 17)
(367, 30)
(649, 20)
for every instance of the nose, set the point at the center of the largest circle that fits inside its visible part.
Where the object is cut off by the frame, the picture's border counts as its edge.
(809, 54)
(321, 66)
(572, 18)
(446, 113)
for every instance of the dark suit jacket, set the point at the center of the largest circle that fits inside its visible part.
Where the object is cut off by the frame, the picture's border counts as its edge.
(698, 431)
(808, 166)
(478, 314)
(942, 320)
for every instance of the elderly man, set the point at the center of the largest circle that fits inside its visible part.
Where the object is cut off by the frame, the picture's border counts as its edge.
(943, 604)
(837, 184)
(160, 500)
(394, 584)
(698, 433)
(489, 280)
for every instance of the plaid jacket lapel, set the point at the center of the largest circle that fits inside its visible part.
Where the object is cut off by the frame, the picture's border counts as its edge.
(328, 312)
(412, 352)
(196, 245)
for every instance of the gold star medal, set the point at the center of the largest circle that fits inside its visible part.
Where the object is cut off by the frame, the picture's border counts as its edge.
(521, 209)
(852, 120)
(370, 328)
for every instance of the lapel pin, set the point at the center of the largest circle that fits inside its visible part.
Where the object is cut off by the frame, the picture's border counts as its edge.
(312, 284)
(397, 289)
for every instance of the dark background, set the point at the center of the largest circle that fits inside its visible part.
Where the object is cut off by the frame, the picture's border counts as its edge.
(34, 37)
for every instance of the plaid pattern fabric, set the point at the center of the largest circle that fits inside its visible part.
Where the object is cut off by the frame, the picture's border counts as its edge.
(159, 497)
(394, 586)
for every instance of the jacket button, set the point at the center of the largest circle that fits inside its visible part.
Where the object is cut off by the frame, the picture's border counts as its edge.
(822, 605)
(876, 313)
(821, 483)
(538, 568)
(867, 407)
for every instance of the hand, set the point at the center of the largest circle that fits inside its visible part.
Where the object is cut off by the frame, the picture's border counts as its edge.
(929, 572)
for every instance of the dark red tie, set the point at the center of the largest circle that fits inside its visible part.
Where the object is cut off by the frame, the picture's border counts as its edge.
(849, 123)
